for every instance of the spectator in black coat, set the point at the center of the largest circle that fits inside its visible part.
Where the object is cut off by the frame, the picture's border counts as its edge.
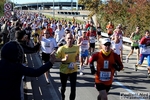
(12, 70)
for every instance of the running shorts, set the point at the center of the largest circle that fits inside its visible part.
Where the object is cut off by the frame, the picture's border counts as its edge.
(84, 53)
(100, 86)
(134, 47)
(92, 45)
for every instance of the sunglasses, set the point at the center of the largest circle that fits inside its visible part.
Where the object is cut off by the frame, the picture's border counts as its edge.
(107, 44)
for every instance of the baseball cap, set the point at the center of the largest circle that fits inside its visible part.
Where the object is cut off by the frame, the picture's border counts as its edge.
(105, 40)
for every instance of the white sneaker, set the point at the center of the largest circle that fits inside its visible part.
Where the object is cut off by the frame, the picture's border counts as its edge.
(81, 70)
(81, 73)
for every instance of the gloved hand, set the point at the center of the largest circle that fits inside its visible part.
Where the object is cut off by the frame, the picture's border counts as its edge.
(116, 67)
(93, 71)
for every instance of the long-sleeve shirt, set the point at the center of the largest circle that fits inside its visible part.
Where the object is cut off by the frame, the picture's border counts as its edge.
(11, 76)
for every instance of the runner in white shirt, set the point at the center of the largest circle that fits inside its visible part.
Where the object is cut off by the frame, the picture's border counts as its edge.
(83, 43)
(69, 28)
(44, 23)
(48, 45)
(117, 45)
(53, 26)
(59, 33)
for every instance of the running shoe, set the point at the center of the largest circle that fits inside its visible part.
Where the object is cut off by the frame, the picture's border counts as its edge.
(81, 70)
(81, 73)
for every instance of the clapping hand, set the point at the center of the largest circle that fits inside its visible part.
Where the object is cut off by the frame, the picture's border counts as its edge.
(66, 57)
(52, 57)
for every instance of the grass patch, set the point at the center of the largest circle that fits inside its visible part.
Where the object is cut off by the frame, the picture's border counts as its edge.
(1, 14)
(65, 18)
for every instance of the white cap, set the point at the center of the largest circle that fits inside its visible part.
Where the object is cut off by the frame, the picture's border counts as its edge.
(105, 40)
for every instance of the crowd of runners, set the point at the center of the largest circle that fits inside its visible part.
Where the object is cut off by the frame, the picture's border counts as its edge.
(75, 42)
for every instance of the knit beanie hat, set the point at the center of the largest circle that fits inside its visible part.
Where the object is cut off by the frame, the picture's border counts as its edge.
(12, 52)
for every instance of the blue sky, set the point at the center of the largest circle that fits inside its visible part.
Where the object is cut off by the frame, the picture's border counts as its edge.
(29, 1)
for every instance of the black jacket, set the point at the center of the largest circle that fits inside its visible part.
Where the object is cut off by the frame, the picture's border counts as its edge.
(11, 71)
(11, 76)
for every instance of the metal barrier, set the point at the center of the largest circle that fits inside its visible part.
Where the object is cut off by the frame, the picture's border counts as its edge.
(125, 39)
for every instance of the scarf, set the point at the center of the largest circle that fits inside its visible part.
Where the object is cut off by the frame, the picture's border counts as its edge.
(106, 53)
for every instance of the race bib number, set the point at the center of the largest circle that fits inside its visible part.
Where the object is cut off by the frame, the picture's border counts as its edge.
(71, 65)
(47, 44)
(98, 30)
(92, 39)
(106, 64)
(136, 42)
(105, 76)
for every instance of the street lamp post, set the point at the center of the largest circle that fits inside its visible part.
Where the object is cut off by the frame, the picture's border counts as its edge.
(71, 4)
(37, 4)
(53, 9)
(77, 5)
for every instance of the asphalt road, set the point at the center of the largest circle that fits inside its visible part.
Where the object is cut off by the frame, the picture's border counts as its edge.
(127, 82)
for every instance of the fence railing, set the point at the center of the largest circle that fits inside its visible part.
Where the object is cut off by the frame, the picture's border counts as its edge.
(125, 39)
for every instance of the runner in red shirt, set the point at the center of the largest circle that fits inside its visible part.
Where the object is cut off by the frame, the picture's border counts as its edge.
(107, 63)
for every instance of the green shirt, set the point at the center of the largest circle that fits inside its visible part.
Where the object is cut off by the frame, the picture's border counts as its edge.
(135, 40)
